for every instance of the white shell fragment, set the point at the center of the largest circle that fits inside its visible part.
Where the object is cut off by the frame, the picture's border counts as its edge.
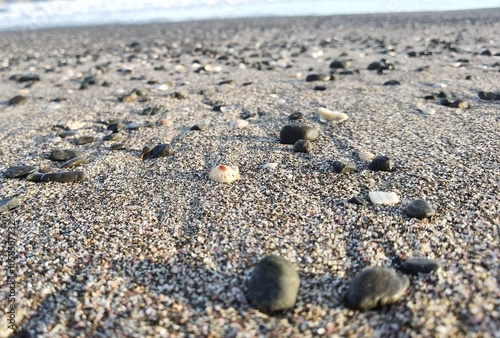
(327, 115)
(75, 125)
(223, 173)
(239, 123)
(270, 165)
(383, 197)
(365, 156)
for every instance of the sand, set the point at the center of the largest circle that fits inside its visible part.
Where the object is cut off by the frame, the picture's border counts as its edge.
(155, 248)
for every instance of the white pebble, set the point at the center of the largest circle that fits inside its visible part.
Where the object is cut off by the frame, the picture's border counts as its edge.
(439, 85)
(365, 155)
(327, 115)
(239, 123)
(383, 197)
(75, 125)
(223, 173)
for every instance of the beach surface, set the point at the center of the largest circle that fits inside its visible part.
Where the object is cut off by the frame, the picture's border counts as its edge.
(152, 247)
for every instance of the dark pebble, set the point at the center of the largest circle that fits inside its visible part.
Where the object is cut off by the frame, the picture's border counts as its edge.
(17, 100)
(319, 88)
(342, 167)
(419, 209)
(302, 146)
(357, 200)
(64, 155)
(85, 140)
(28, 78)
(34, 177)
(112, 137)
(415, 266)
(374, 287)
(224, 82)
(486, 52)
(64, 177)
(274, 284)
(74, 162)
(155, 110)
(296, 116)
(291, 134)
(145, 153)
(429, 97)
(489, 96)
(178, 95)
(162, 150)
(381, 163)
(220, 108)
(339, 64)
(118, 146)
(8, 204)
(317, 77)
(115, 127)
(392, 83)
(381, 66)
(18, 171)
(199, 127)
(68, 133)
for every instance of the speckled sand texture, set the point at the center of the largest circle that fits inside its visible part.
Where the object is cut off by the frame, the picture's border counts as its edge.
(154, 247)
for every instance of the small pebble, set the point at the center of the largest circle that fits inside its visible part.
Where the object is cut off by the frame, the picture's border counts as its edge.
(165, 122)
(18, 171)
(68, 133)
(17, 100)
(199, 127)
(74, 162)
(75, 125)
(342, 167)
(317, 77)
(239, 123)
(223, 173)
(357, 200)
(291, 134)
(64, 177)
(303, 146)
(112, 137)
(327, 115)
(274, 284)
(117, 146)
(381, 163)
(145, 153)
(270, 165)
(415, 266)
(365, 155)
(8, 204)
(419, 209)
(392, 83)
(85, 140)
(64, 154)
(115, 127)
(296, 116)
(155, 110)
(374, 287)
(161, 150)
(489, 96)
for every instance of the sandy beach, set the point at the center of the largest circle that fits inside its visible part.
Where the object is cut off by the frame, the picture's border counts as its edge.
(152, 247)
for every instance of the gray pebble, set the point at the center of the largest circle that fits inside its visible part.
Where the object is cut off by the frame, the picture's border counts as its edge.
(296, 116)
(376, 286)
(303, 146)
(68, 133)
(17, 100)
(118, 146)
(64, 154)
(64, 177)
(357, 200)
(85, 140)
(18, 171)
(381, 163)
(7, 204)
(162, 150)
(342, 167)
(74, 162)
(274, 284)
(415, 266)
(419, 209)
(291, 134)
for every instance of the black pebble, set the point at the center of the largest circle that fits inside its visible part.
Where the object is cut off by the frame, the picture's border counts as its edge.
(381, 163)
(291, 134)
(489, 96)
(161, 150)
(419, 209)
(296, 116)
(392, 83)
(357, 200)
(415, 266)
(342, 167)
(64, 177)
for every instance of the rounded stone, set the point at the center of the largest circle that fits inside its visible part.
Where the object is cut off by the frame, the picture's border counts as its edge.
(162, 150)
(342, 167)
(118, 146)
(64, 177)
(291, 134)
(274, 284)
(8, 204)
(374, 287)
(296, 116)
(419, 209)
(302, 146)
(115, 127)
(85, 140)
(415, 266)
(64, 154)
(74, 162)
(17, 100)
(18, 171)
(381, 163)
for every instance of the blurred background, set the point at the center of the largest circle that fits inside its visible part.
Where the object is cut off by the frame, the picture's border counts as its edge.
(33, 14)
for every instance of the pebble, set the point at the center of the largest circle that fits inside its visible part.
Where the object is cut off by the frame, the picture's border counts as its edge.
(317, 77)
(489, 96)
(274, 284)
(374, 287)
(291, 134)
(460, 104)
(118, 146)
(381, 66)
(342, 167)
(64, 177)
(327, 115)
(115, 127)
(155, 110)
(34, 177)
(85, 140)
(145, 153)
(221, 108)
(112, 137)
(74, 162)
(296, 116)
(365, 155)
(357, 200)
(18, 171)
(419, 209)
(161, 150)
(392, 83)
(75, 125)
(303, 146)
(17, 100)
(223, 173)
(415, 266)
(199, 127)
(319, 88)
(339, 64)
(270, 165)
(7, 204)
(27, 78)
(383, 197)
(64, 154)
(68, 133)
(132, 96)
(239, 123)
(165, 122)
(132, 126)
(381, 163)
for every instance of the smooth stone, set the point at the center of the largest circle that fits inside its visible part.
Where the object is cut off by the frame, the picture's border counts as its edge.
(291, 134)
(85, 140)
(296, 116)
(64, 154)
(381, 163)
(112, 137)
(339, 64)
(319, 88)
(419, 209)
(383, 197)
(489, 96)
(68, 133)
(64, 177)
(199, 127)
(374, 287)
(357, 200)
(145, 153)
(28, 77)
(17, 100)
(34, 177)
(302, 146)
(342, 167)
(381, 66)
(132, 126)
(317, 77)
(415, 266)
(18, 171)
(74, 162)
(118, 146)
(7, 204)
(155, 110)
(274, 284)
(162, 150)
(115, 127)
(392, 83)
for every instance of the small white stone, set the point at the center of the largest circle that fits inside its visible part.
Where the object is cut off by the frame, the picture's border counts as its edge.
(383, 197)
(365, 155)
(439, 85)
(75, 125)
(223, 173)
(270, 165)
(428, 111)
(161, 87)
(239, 123)
(327, 115)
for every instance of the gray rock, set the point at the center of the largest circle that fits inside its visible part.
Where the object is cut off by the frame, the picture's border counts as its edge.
(162, 150)
(74, 162)
(374, 287)
(419, 209)
(64, 154)
(118, 146)
(303, 146)
(68, 133)
(274, 284)
(342, 167)
(291, 134)
(34, 177)
(112, 137)
(64, 177)
(357, 200)
(17, 100)
(85, 140)
(415, 266)
(18, 171)
(381, 163)
(8, 204)
(489, 96)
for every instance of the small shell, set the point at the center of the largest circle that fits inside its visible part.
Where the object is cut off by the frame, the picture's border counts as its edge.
(270, 165)
(327, 115)
(239, 123)
(439, 85)
(224, 173)
(365, 156)
(383, 197)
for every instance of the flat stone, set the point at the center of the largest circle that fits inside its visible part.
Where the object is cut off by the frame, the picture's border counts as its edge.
(419, 209)
(64, 177)
(162, 150)
(34, 177)
(18, 171)
(28, 77)
(112, 137)
(118, 146)
(68, 133)
(74, 162)
(489, 96)
(296, 116)
(374, 287)
(415, 266)
(85, 140)
(392, 83)
(274, 284)
(17, 100)
(317, 77)
(381, 163)
(343, 167)
(302, 146)
(291, 134)
(339, 64)
(8, 204)
(64, 154)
